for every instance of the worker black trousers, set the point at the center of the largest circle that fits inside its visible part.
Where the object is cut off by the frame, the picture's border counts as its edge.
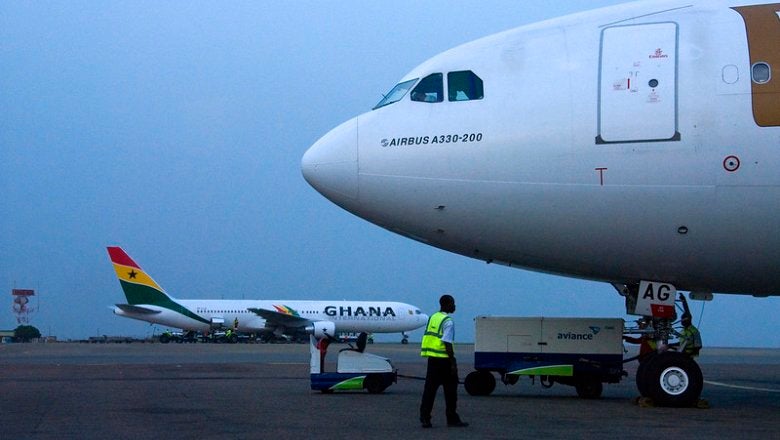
(440, 374)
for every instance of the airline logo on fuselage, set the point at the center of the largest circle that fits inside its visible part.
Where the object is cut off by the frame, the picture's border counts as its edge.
(286, 310)
(360, 312)
(659, 53)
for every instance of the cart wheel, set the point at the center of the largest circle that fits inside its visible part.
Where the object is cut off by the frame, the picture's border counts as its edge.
(589, 388)
(480, 383)
(374, 384)
(673, 379)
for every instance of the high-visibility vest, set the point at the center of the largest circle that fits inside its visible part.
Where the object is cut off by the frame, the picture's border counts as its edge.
(692, 338)
(432, 345)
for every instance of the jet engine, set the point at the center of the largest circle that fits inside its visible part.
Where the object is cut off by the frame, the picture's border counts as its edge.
(322, 329)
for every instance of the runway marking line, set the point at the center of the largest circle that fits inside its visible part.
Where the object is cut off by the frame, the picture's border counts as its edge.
(721, 384)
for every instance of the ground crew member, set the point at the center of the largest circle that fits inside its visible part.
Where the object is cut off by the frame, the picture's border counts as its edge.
(442, 366)
(690, 338)
(647, 344)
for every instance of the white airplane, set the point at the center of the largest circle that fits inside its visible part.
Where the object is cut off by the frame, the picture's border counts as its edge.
(147, 301)
(637, 145)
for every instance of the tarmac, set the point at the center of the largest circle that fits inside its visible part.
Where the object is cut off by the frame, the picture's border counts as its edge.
(262, 391)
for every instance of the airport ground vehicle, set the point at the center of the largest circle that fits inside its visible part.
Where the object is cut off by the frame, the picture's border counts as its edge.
(191, 336)
(219, 336)
(178, 337)
(356, 369)
(582, 352)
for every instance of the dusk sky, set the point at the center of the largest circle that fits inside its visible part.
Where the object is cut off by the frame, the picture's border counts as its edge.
(176, 130)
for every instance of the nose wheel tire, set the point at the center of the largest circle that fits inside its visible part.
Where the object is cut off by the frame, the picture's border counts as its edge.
(672, 379)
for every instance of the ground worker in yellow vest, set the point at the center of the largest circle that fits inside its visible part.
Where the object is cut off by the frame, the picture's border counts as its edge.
(442, 367)
(690, 338)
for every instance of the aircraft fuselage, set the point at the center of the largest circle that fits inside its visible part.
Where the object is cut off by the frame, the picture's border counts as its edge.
(639, 142)
(348, 316)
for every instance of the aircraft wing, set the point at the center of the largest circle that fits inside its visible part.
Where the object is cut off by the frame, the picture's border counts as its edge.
(286, 320)
(137, 309)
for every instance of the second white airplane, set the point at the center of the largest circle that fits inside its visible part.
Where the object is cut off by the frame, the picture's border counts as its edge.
(147, 301)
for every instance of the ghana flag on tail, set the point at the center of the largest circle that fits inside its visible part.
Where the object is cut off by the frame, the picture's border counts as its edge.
(140, 288)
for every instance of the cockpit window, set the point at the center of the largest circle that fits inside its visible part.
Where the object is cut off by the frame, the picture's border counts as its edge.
(396, 94)
(464, 86)
(430, 89)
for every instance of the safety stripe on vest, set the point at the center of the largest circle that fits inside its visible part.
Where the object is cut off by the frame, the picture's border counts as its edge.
(440, 333)
(431, 350)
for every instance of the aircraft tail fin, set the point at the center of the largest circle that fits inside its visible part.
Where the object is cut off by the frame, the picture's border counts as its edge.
(138, 286)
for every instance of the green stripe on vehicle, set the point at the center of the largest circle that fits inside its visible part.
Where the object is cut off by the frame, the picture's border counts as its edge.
(356, 383)
(550, 370)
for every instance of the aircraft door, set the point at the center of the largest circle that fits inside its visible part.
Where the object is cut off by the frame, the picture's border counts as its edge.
(638, 84)
(763, 32)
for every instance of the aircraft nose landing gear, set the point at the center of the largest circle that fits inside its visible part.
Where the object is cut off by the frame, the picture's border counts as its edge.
(669, 378)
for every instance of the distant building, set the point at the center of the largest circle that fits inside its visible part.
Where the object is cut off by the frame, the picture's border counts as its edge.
(6, 336)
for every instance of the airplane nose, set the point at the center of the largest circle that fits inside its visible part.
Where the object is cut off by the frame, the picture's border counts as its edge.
(330, 165)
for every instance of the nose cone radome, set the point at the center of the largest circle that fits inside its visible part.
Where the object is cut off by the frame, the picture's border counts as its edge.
(331, 166)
